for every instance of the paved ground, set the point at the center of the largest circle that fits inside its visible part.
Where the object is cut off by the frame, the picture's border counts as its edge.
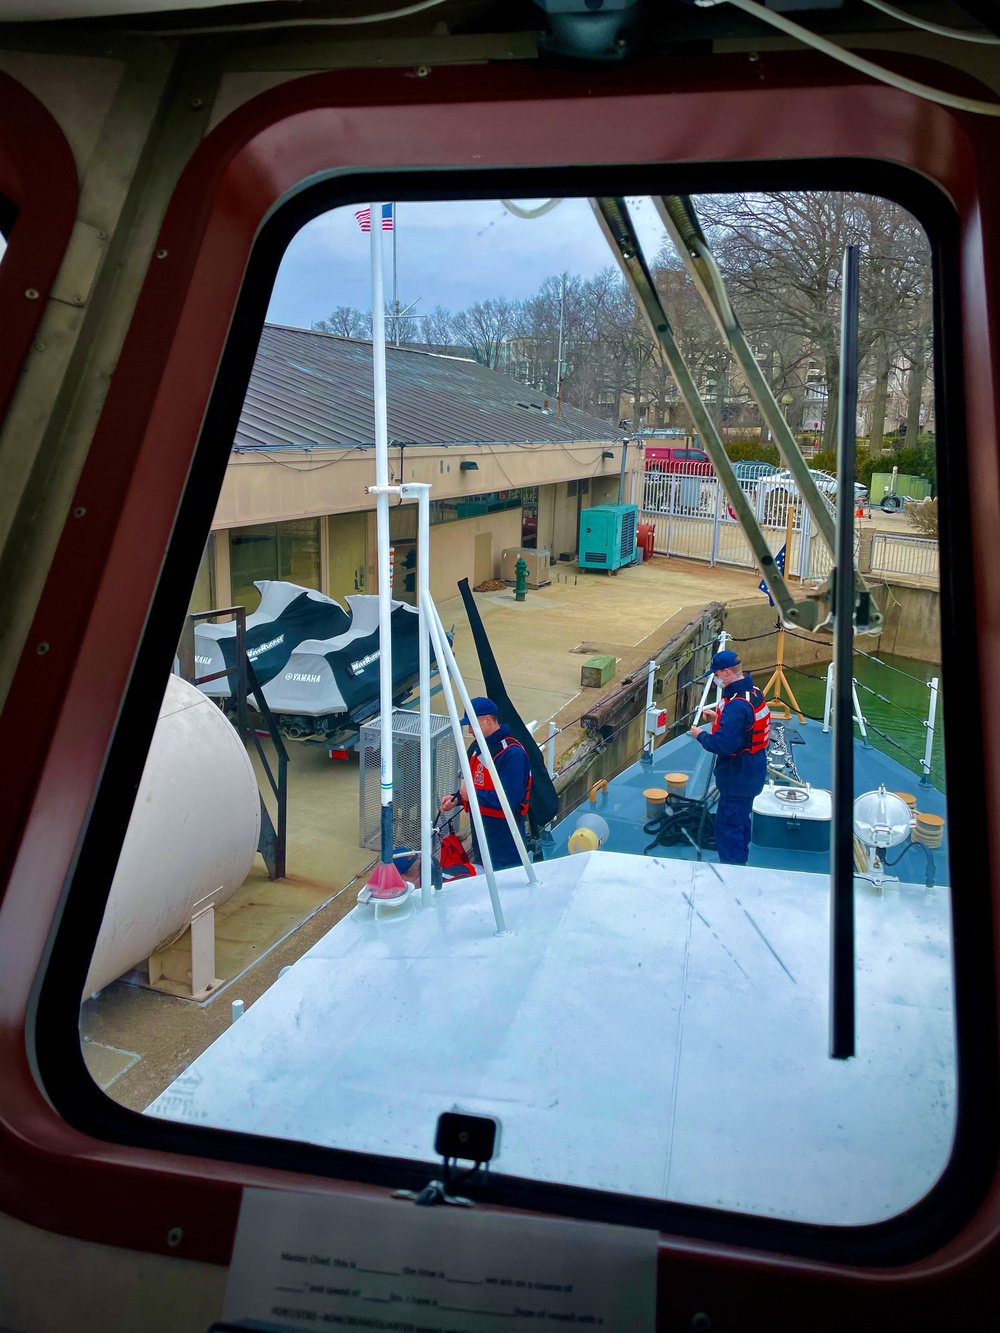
(136, 1040)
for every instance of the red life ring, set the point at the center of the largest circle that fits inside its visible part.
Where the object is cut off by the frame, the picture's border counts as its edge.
(729, 511)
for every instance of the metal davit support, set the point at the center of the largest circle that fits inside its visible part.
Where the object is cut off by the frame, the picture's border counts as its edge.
(273, 841)
(616, 223)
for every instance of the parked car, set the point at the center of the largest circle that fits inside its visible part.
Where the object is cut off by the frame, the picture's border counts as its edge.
(671, 458)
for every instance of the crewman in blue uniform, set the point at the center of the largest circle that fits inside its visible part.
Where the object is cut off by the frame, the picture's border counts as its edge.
(738, 736)
(514, 771)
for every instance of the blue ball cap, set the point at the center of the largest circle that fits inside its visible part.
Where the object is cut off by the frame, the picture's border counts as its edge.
(482, 708)
(724, 661)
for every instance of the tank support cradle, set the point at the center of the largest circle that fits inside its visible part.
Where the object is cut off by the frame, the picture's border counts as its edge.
(169, 969)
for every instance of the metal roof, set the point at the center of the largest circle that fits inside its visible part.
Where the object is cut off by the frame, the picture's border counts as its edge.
(314, 390)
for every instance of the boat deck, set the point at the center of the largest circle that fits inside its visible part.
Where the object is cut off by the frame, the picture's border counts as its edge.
(648, 1026)
(624, 808)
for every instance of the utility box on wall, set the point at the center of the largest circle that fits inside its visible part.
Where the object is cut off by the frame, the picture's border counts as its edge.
(537, 562)
(608, 536)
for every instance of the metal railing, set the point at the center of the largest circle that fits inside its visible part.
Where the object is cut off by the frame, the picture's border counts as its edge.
(915, 556)
(693, 519)
(273, 839)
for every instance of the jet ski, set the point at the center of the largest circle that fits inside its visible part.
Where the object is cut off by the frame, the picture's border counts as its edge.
(330, 685)
(287, 615)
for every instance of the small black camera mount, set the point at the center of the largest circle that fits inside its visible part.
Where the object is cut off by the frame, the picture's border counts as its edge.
(459, 1137)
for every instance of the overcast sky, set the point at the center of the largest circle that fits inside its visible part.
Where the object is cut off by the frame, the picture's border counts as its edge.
(448, 254)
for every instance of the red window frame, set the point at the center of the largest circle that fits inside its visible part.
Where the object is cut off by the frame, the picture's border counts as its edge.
(63, 706)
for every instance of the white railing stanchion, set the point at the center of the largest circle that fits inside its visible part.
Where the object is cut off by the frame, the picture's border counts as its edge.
(422, 492)
(650, 741)
(859, 716)
(445, 653)
(474, 811)
(929, 724)
(550, 750)
(723, 640)
(828, 701)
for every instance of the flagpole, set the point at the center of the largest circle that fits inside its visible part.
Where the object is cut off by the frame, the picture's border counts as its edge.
(385, 883)
(395, 293)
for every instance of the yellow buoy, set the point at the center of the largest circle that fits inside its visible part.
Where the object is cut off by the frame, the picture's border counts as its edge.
(583, 840)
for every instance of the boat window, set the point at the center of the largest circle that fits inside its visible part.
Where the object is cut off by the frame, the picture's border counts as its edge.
(650, 1020)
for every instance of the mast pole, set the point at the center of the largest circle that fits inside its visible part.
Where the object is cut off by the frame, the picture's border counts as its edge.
(395, 290)
(386, 883)
(559, 354)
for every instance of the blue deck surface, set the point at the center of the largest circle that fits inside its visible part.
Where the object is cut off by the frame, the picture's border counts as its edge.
(624, 807)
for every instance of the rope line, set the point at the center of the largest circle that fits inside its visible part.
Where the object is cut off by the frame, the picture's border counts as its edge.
(898, 670)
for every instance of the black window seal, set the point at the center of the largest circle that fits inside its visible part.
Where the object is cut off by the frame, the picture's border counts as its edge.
(53, 1030)
(8, 216)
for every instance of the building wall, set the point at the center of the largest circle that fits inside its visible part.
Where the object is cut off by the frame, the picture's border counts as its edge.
(912, 629)
(453, 548)
(259, 489)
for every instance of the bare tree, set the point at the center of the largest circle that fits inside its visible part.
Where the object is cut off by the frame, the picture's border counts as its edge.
(347, 322)
(486, 327)
(438, 332)
(782, 255)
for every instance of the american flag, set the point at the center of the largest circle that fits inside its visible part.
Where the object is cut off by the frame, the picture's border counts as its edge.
(779, 560)
(364, 217)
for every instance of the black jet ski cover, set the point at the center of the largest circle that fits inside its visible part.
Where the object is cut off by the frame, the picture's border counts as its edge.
(287, 615)
(544, 804)
(356, 667)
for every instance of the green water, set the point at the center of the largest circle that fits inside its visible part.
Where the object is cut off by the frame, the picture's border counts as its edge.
(901, 680)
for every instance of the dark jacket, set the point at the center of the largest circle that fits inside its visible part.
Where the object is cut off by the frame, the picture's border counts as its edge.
(737, 773)
(514, 771)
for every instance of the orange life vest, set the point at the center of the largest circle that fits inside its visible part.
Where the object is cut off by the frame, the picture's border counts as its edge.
(760, 732)
(482, 781)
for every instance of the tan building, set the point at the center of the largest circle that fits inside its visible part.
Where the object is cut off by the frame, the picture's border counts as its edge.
(504, 470)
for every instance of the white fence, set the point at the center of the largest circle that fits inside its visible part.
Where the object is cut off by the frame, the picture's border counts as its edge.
(916, 556)
(692, 517)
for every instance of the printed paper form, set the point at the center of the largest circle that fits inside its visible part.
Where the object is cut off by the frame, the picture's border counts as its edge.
(310, 1261)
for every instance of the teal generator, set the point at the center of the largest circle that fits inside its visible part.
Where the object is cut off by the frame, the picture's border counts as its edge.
(608, 536)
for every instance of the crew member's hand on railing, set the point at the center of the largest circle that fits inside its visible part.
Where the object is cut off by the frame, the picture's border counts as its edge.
(455, 799)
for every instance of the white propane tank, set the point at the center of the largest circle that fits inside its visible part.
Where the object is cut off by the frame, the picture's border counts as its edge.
(193, 833)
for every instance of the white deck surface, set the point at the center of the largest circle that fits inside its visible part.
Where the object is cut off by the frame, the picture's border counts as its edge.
(645, 1027)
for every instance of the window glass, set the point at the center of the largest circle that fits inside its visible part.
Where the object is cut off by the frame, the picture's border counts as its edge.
(653, 1021)
(288, 550)
(204, 597)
